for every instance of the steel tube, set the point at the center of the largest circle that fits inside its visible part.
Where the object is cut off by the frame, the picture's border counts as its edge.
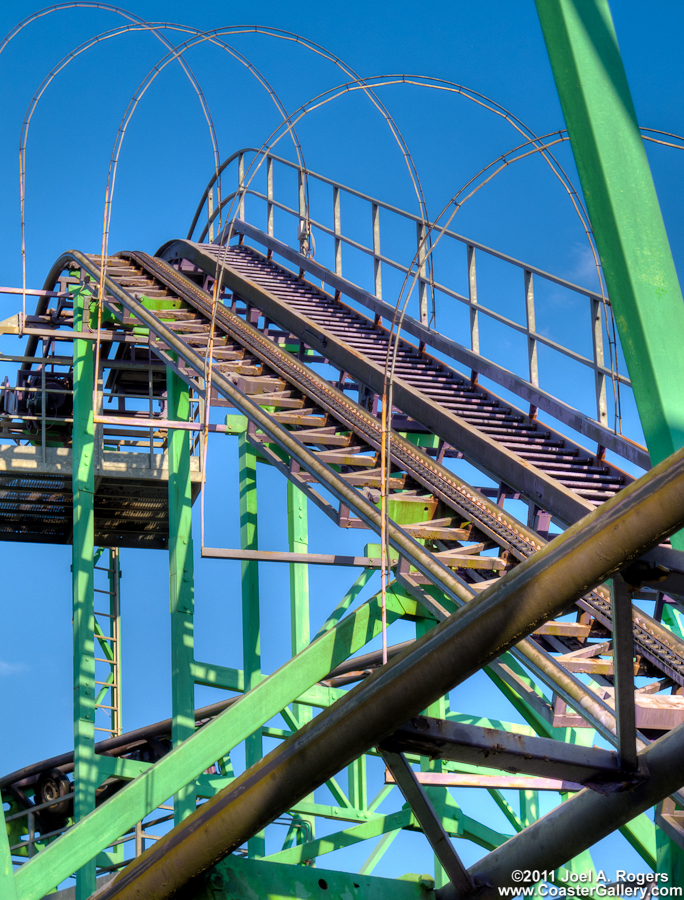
(511, 752)
(578, 823)
(623, 667)
(438, 573)
(536, 591)
(115, 746)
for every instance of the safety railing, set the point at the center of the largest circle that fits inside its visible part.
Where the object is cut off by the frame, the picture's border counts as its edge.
(33, 841)
(37, 410)
(302, 208)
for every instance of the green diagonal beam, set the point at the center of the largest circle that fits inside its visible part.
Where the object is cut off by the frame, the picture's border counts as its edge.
(186, 761)
(624, 210)
(346, 838)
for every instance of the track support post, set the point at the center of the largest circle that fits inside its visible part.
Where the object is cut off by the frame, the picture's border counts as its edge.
(251, 623)
(82, 568)
(298, 541)
(8, 887)
(623, 667)
(181, 581)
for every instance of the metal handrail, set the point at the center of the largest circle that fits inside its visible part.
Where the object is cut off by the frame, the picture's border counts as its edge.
(543, 400)
(519, 384)
(478, 307)
(549, 276)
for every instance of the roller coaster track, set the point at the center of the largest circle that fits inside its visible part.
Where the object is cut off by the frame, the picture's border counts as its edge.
(504, 441)
(321, 415)
(272, 327)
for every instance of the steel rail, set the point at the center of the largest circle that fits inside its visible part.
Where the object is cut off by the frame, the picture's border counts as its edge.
(580, 422)
(258, 280)
(238, 226)
(445, 580)
(479, 447)
(537, 590)
(241, 227)
(575, 825)
(401, 212)
(494, 521)
(654, 641)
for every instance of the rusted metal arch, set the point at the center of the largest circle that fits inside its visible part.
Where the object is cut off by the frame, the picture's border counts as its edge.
(569, 687)
(537, 590)
(477, 447)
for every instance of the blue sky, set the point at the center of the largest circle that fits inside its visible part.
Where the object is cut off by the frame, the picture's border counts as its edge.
(493, 47)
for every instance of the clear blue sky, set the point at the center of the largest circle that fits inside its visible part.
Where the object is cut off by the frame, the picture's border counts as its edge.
(494, 47)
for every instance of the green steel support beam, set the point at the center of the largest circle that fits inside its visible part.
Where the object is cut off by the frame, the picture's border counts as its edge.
(238, 879)
(251, 625)
(670, 860)
(357, 783)
(346, 601)
(8, 888)
(506, 808)
(298, 542)
(529, 807)
(187, 761)
(378, 852)
(331, 842)
(640, 833)
(437, 795)
(181, 582)
(624, 210)
(82, 567)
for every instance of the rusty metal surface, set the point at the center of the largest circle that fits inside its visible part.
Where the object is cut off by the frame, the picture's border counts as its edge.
(576, 824)
(544, 465)
(532, 593)
(514, 753)
(655, 643)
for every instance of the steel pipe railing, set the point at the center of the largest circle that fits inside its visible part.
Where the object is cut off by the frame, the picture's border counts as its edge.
(597, 302)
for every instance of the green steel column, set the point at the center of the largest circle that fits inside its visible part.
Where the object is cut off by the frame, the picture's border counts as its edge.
(181, 580)
(298, 540)
(529, 807)
(624, 210)
(439, 796)
(82, 567)
(8, 887)
(251, 628)
(670, 858)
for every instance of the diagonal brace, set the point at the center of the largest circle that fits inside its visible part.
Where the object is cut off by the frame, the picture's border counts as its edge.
(428, 819)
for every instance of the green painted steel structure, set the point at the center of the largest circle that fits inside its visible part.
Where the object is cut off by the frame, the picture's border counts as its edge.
(624, 210)
(85, 765)
(647, 301)
(181, 581)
